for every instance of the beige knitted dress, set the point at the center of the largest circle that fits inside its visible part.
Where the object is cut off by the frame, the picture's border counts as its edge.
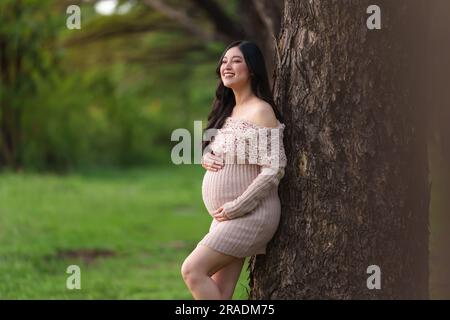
(246, 186)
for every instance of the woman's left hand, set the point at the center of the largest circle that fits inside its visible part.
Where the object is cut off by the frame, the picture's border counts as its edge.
(220, 215)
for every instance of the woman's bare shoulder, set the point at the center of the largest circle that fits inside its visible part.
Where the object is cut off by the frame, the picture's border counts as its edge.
(263, 115)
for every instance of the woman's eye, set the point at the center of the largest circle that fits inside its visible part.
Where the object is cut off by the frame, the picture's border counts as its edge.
(234, 61)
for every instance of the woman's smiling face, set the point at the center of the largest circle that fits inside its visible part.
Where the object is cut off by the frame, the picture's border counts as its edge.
(233, 69)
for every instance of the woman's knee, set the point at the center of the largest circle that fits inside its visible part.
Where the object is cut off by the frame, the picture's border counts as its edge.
(185, 269)
(190, 272)
(203, 261)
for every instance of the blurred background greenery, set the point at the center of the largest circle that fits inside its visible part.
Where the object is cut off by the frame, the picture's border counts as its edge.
(86, 119)
(108, 94)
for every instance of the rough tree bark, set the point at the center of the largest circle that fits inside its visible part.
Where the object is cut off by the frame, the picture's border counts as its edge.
(356, 190)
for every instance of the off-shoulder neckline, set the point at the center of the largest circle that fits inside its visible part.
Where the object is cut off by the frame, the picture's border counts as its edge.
(280, 125)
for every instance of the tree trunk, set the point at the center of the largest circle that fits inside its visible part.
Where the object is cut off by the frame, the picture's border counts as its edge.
(6, 141)
(10, 118)
(356, 190)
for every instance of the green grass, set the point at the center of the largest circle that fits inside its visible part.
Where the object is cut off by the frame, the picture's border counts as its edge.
(146, 221)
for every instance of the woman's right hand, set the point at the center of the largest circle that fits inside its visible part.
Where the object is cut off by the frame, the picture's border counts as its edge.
(212, 162)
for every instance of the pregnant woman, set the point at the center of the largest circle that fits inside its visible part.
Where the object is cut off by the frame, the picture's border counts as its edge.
(244, 166)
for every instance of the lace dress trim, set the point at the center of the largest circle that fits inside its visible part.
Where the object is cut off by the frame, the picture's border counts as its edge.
(246, 142)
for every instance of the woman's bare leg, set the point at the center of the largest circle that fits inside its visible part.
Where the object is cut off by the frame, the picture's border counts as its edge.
(227, 278)
(198, 268)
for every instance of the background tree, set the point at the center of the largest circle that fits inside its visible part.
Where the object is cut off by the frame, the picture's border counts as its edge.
(25, 60)
(199, 23)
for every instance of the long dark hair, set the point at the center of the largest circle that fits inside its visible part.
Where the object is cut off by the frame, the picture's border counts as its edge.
(224, 100)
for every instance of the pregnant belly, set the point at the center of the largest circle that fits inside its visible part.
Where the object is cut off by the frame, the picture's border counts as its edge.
(227, 184)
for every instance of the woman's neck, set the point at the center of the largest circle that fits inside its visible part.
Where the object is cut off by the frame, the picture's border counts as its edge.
(243, 96)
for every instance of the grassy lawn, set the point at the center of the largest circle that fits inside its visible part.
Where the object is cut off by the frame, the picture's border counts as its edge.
(128, 231)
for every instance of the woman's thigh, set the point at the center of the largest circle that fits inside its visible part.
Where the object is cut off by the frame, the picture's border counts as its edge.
(208, 261)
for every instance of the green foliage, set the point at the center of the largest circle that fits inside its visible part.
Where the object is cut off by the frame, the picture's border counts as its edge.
(26, 29)
(102, 100)
(107, 118)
